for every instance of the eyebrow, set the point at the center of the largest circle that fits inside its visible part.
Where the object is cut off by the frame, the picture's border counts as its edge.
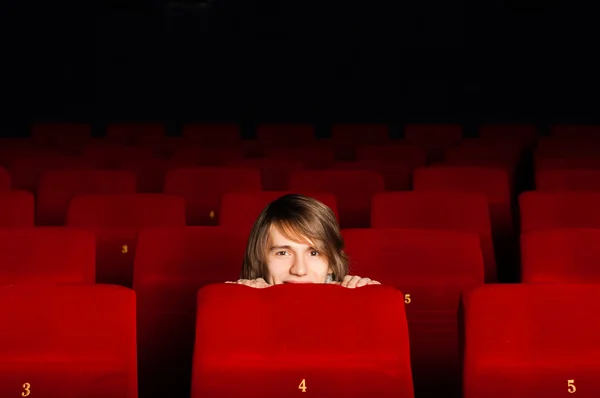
(288, 247)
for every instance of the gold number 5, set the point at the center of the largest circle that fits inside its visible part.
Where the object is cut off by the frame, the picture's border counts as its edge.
(571, 385)
(407, 299)
(302, 385)
(26, 387)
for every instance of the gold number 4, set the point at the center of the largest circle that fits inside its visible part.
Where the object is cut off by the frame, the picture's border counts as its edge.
(26, 387)
(407, 299)
(571, 384)
(302, 385)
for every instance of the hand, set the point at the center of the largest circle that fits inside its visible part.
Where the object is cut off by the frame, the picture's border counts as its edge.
(256, 283)
(355, 281)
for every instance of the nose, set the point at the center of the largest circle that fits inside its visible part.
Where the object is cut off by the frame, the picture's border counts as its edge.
(299, 267)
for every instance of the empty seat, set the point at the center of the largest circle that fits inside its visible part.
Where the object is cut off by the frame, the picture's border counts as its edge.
(285, 134)
(57, 188)
(459, 211)
(274, 173)
(202, 188)
(111, 156)
(568, 180)
(129, 133)
(396, 174)
(526, 133)
(572, 131)
(241, 209)
(61, 134)
(353, 190)
(116, 221)
(26, 171)
(171, 264)
(211, 134)
(208, 155)
(360, 134)
(47, 256)
(583, 162)
(17, 209)
(519, 344)
(410, 155)
(312, 157)
(151, 173)
(433, 138)
(549, 210)
(67, 342)
(378, 365)
(432, 268)
(560, 256)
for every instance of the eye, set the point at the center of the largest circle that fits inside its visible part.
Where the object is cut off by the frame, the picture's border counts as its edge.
(314, 253)
(282, 253)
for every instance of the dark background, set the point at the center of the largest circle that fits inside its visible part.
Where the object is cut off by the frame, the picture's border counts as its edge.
(321, 62)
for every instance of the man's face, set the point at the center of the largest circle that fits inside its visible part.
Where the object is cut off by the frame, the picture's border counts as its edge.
(293, 262)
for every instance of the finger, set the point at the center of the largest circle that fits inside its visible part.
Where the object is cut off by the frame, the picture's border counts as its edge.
(352, 283)
(346, 280)
(363, 282)
(374, 283)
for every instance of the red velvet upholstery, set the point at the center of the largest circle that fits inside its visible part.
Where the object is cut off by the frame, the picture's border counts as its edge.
(551, 180)
(265, 342)
(67, 342)
(17, 209)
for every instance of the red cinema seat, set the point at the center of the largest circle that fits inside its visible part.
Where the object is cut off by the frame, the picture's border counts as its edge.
(526, 133)
(431, 267)
(67, 342)
(26, 171)
(571, 131)
(396, 174)
(116, 221)
(560, 256)
(129, 133)
(567, 180)
(378, 365)
(202, 188)
(111, 156)
(353, 190)
(212, 134)
(410, 155)
(576, 146)
(583, 162)
(61, 134)
(518, 343)
(208, 155)
(433, 138)
(17, 209)
(151, 173)
(505, 152)
(5, 180)
(57, 188)
(458, 211)
(314, 157)
(171, 264)
(549, 210)
(47, 256)
(241, 209)
(274, 173)
(285, 134)
(345, 138)
(495, 184)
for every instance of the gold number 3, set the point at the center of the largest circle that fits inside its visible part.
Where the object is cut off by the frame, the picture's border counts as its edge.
(571, 385)
(302, 385)
(26, 387)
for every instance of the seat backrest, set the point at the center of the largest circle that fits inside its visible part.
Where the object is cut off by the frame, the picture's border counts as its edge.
(17, 209)
(527, 133)
(111, 156)
(549, 210)
(284, 352)
(433, 138)
(458, 211)
(57, 188)
(27, 170)
(208, 155)
(202, 188)
(47, 256)
(517, 340)
(410, 155)
(353, 190)
(241, 209)
(282, 134)
(211, 134)
(58, 134)
(360, 134)
(76, 336)
(274, 173)
(572, 131)
(397, 256)
(128, 133)
(560, 256)
(126, 211)
(396, 174)
(568, 180)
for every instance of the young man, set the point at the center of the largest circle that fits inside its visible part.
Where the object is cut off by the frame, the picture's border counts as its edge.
(296, 239)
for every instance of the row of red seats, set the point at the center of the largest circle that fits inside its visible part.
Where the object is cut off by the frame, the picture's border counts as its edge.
(73, 341)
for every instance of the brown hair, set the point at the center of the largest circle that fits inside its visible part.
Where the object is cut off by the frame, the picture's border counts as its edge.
(296, 217)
